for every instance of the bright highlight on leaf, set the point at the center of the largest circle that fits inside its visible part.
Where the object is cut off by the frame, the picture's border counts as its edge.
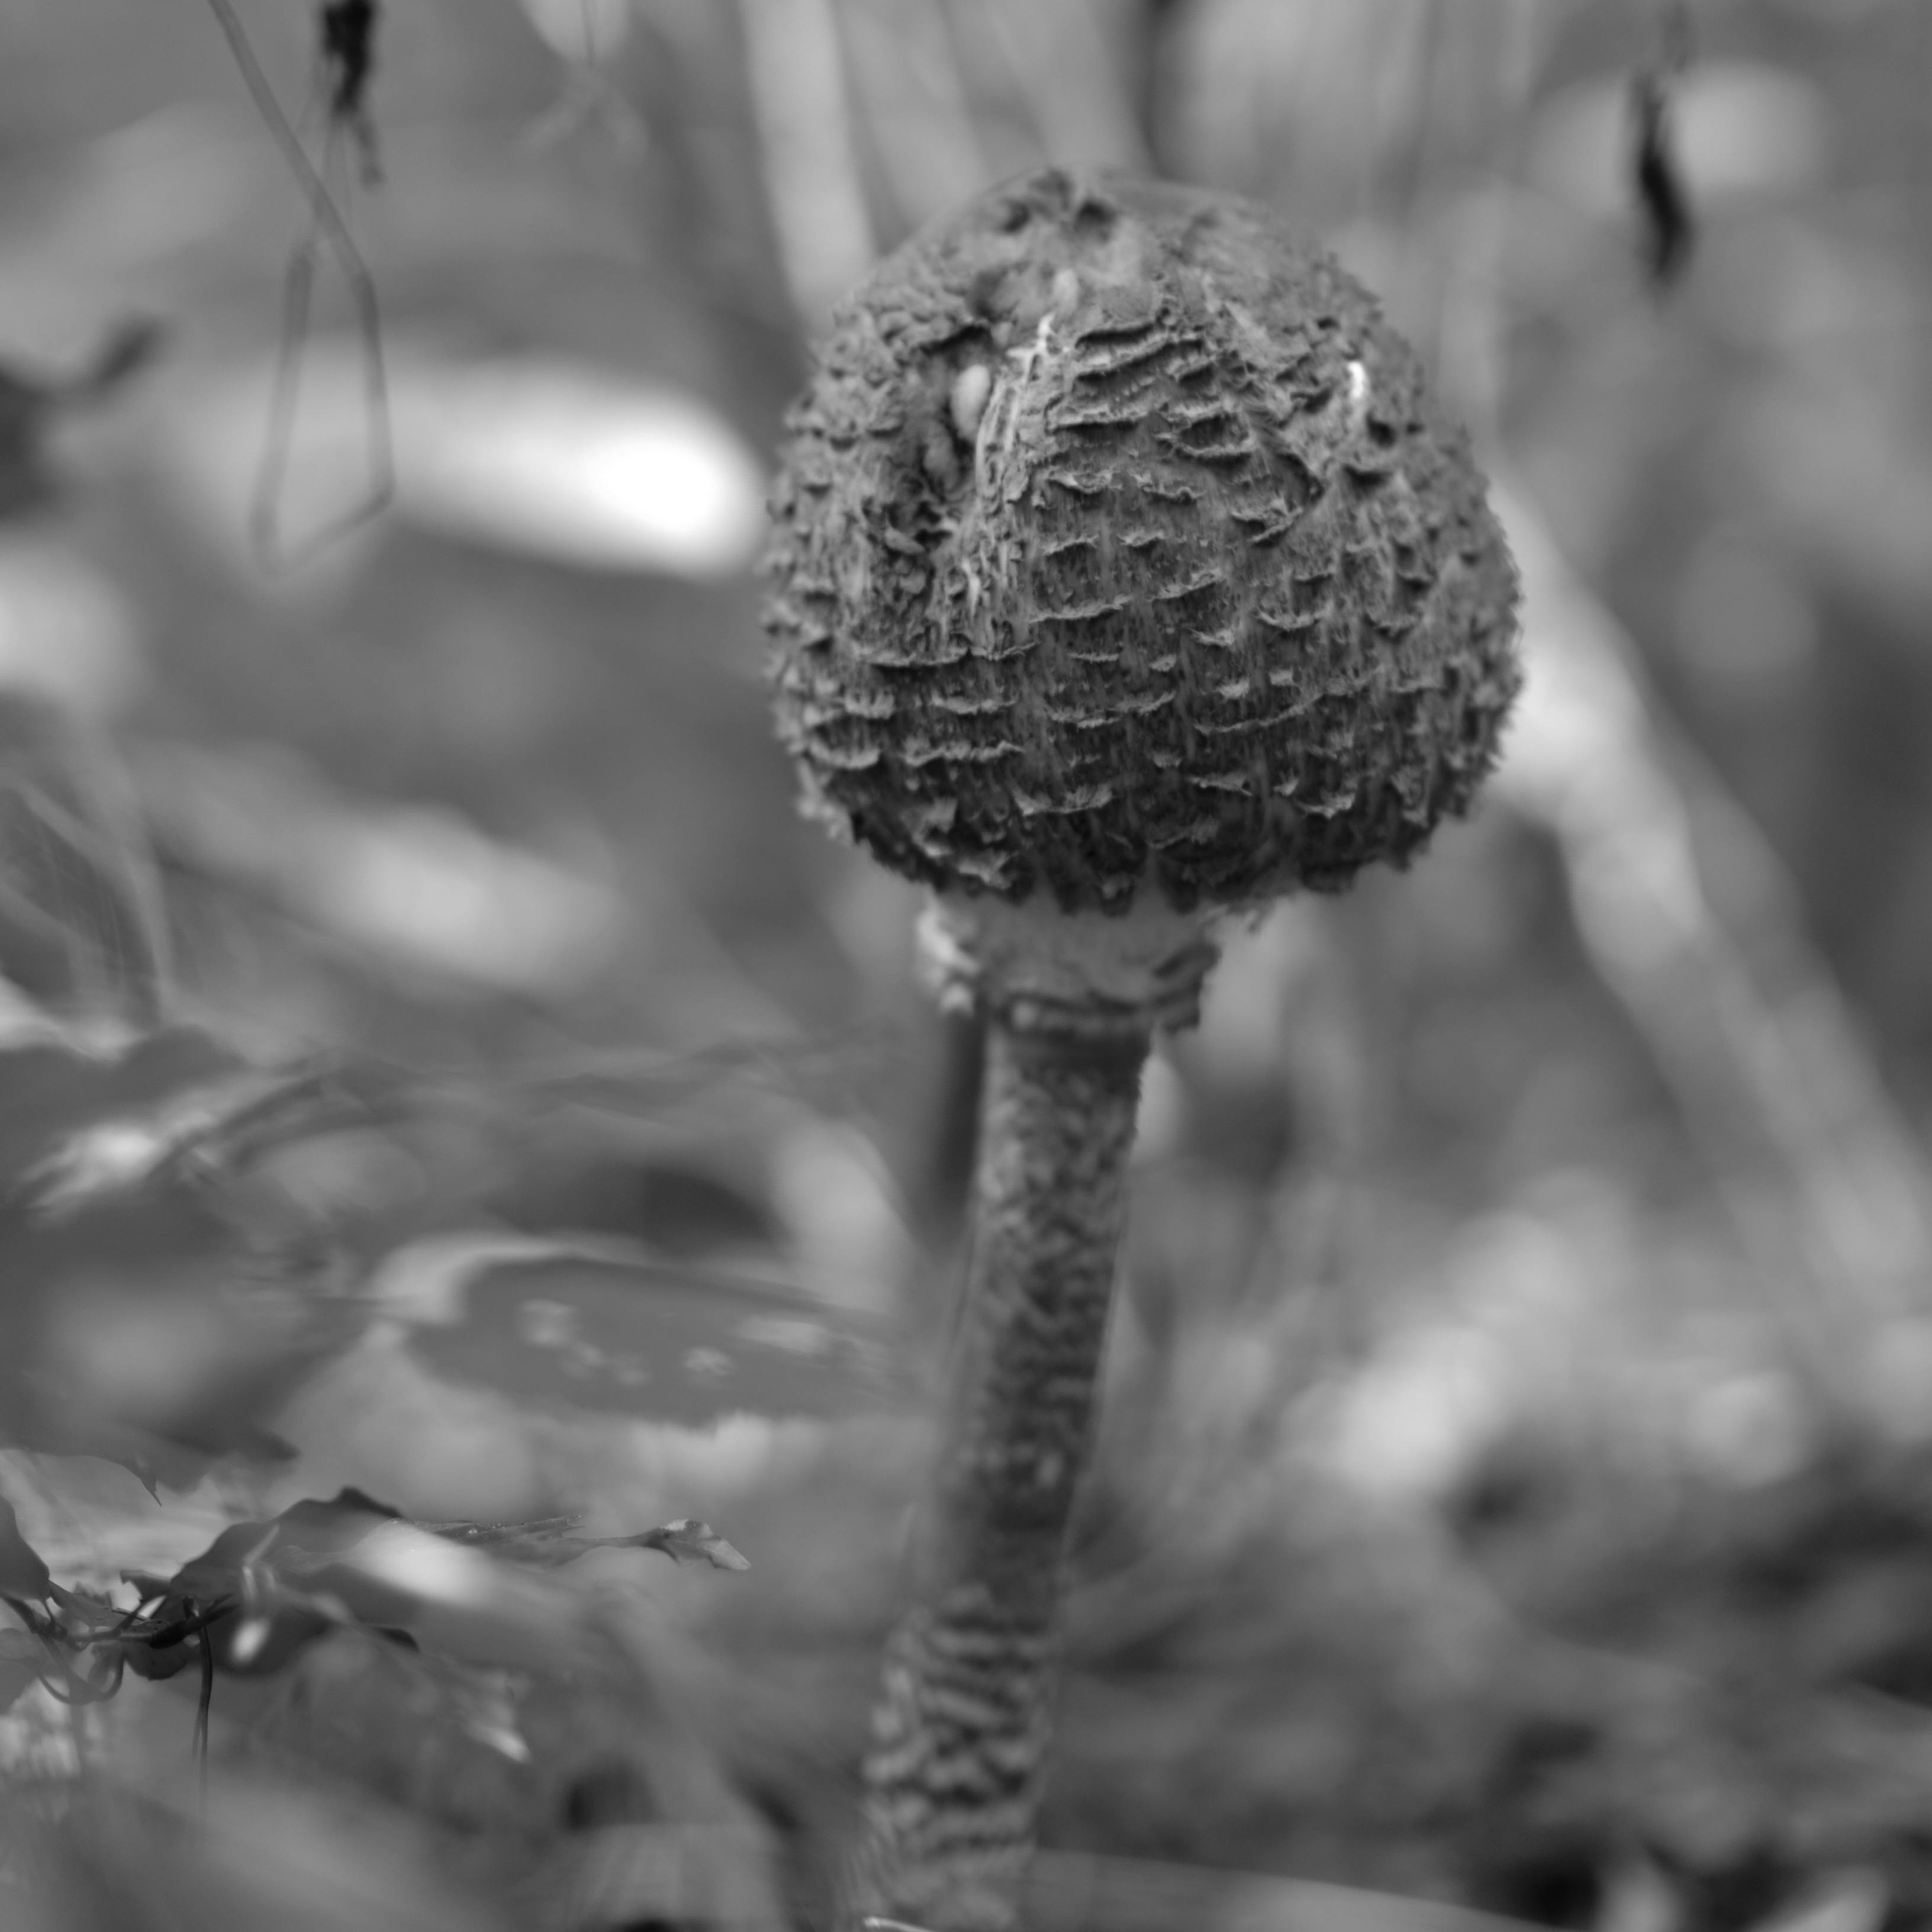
(535, 456)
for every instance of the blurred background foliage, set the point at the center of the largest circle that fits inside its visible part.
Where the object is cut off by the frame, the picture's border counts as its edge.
(1516, 1482)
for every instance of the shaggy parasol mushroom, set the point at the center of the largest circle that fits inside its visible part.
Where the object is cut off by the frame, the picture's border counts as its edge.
(1125, 573)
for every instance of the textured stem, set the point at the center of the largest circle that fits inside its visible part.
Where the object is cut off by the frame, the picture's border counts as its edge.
(960, 1732)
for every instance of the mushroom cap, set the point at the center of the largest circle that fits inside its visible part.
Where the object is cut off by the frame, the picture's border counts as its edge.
(1119, 544)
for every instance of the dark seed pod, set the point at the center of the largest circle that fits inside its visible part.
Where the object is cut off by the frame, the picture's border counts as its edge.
(1119, 544)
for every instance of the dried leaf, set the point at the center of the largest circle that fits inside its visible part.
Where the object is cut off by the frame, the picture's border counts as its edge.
(550, 1542)
(686, 1539)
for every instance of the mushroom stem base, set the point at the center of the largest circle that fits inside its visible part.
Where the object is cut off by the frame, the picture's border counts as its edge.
(960, 1734)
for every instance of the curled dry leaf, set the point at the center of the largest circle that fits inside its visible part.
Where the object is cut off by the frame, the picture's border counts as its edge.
(688, 1539)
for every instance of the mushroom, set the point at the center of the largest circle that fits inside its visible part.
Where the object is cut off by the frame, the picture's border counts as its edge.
(1125, 574)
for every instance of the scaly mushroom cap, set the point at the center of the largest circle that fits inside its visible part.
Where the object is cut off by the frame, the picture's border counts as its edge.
(1119, 543)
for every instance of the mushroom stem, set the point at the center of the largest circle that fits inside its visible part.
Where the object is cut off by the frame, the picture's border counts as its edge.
(961, 1730)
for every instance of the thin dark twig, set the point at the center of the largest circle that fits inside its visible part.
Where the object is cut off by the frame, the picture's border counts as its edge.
(1669, 225)
(322, 206)
(350, 62)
